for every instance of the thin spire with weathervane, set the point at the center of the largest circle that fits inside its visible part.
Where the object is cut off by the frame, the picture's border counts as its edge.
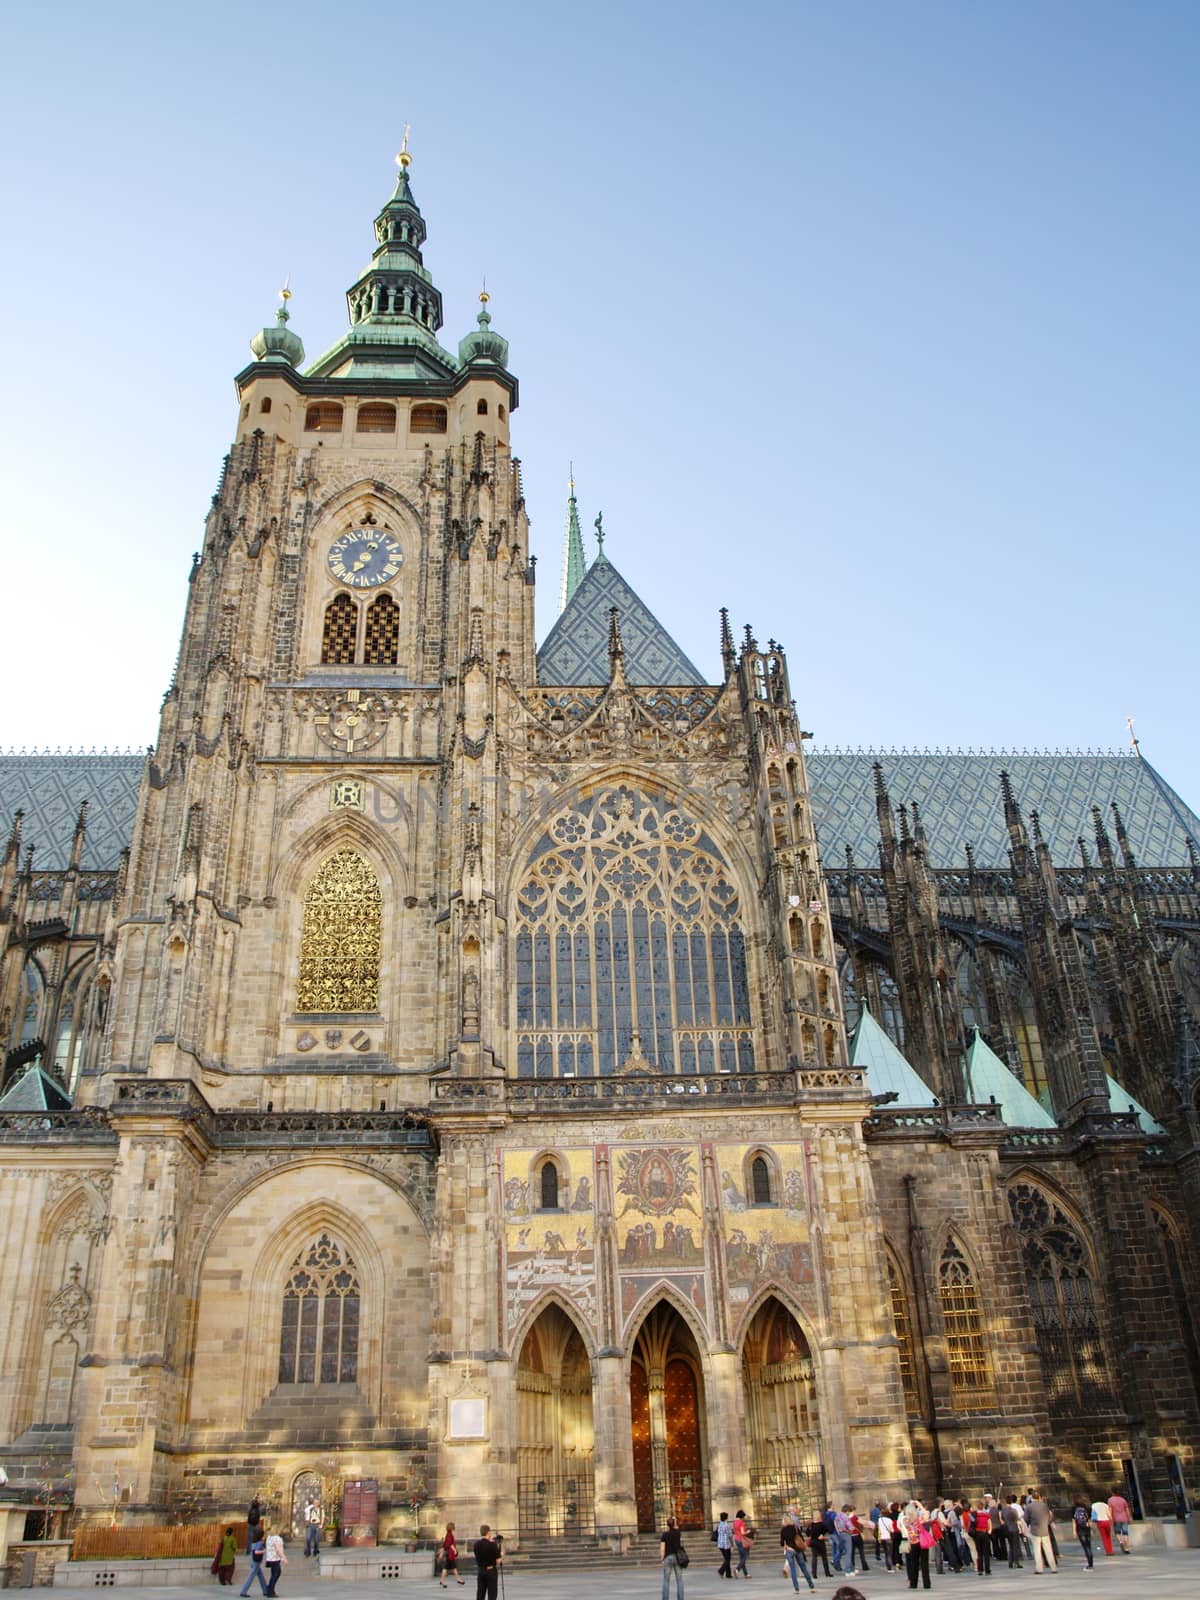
(573, 558)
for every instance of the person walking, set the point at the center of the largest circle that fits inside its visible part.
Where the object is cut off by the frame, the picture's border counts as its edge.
(254, 1522)
(274, 1559)
(226, 1557)
(794, 1544)
(724, 1533)
(743, 1538)
(1083, 1528)
(670, 1548)
(1102, 1517)
(1040, 1517)
(1121, 1518)
(843, 1542)
(258, 1549)
(857, 1545)
(449, 1562)
(886, 1527)
(488, 1558)
(918, 1531)
(1011, 1512)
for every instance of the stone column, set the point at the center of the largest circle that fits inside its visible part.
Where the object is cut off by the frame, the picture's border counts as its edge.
(728, 1464)
(612, 1423)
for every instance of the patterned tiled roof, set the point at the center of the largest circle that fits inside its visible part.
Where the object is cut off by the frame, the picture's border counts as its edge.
(959, 799)
(576, 648)
(49, 787)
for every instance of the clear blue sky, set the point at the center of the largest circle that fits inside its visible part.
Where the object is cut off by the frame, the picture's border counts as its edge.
(875, 322)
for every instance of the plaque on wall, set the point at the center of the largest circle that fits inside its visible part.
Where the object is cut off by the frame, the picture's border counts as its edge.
(468, 1418)
(360, 1511)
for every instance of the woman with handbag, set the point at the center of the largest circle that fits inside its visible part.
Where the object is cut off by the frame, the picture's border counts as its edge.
(448, 1556)
(794, 1545)
(673, 1556)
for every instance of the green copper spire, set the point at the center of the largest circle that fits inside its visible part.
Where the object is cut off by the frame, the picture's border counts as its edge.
(395, 310)
(573, 561)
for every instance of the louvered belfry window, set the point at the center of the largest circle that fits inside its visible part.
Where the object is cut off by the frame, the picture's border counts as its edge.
(338, 636)
(382, 639)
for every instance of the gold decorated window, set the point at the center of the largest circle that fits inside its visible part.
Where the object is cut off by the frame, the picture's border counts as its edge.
(966, 1343)
(338, 637)
(382, 638)
(341, 937)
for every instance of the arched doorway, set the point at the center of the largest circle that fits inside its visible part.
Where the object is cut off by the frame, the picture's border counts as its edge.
(783, 1432)
(306, 1491)
(555, 1441)
(666, 1400)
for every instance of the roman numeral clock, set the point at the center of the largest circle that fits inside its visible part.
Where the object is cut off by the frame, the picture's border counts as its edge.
(364, 558)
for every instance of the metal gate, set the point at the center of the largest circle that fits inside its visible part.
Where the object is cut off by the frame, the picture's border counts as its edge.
(688, 1493)
(797, 1480)
(557, 1506)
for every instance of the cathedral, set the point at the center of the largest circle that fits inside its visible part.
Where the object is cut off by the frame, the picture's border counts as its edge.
(541, 1082)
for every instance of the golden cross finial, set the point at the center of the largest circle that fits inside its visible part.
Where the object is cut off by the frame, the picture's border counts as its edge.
(403, 159)
(1132, 736)
(483, 293)
(285, 294)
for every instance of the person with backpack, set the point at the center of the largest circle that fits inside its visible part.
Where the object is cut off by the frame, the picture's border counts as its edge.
(1083, 1528)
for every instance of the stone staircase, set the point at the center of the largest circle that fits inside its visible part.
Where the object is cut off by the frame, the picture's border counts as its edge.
(542, 1554)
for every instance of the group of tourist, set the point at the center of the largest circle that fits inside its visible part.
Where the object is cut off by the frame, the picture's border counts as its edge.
(955, 1535)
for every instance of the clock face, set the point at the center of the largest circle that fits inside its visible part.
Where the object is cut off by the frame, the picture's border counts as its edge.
(364, 558)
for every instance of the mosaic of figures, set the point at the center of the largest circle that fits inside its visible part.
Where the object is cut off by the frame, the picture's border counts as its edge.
(549, 1248)
(764, 1203)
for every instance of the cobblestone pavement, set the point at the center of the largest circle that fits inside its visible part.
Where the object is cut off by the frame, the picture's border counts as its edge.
(1153, 1575)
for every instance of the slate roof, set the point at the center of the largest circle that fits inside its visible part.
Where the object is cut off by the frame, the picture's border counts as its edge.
(49, 787)
(959, 797)
(576, 648)
(35, 1091)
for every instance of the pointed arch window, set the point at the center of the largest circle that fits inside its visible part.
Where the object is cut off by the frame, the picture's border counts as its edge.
(318, 1341)
(630, 948)
(1062, 1302)
(966, 1344)
(902, 1326)
(548, 1186)
(1168, 1243)
(340, 633)
(382, 639)
(760, 1182)
(341, 937)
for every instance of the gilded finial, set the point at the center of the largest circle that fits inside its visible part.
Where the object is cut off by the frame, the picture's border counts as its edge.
(403, 159)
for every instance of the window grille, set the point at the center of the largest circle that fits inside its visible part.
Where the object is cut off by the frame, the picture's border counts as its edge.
(427, 419)
(338, 637)
(630, 953)
(325, 417)
(318, 1340)
(341, 937)
(966, 1345)
(382, 639)
(376, 419)
(902, 1325)
(1062, 1302)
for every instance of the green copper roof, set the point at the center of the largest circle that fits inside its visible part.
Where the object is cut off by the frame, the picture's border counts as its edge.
(1121, 1100)
(887, 1070)
(573, 558)
(35, 1091)
(576, 648)
(988, 1079)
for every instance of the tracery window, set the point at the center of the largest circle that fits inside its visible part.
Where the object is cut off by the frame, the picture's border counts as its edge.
(902, 1325)
(1169, 1245)
(341, 937)
(630, 951)
(318, 1340)
(962, 1320)
(1062, 1301)
(382, 639)
(338, 636)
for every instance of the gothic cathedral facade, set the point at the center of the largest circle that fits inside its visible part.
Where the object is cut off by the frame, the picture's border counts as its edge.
(461, 1093)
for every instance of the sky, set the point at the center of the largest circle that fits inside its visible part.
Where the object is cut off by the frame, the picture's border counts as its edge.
(874, 322)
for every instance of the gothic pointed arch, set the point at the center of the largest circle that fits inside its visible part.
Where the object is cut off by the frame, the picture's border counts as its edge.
(1060, 1280)
(1182, 1302)
(668, 1407)
(780, 1399)
(900, 1305)
(972, 1386)
(341, 938)
(555, 1430)
(630, 945)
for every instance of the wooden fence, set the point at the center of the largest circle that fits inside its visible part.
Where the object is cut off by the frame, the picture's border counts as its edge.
(132, 1544)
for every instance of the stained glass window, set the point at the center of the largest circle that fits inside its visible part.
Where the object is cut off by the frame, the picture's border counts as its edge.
(341, 937)
(630, 953)
(962, 1320)
(318, 1340)
(902, 1325)
(1063, 1304)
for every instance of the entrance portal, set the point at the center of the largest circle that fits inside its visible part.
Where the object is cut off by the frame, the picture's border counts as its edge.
(782, 1427)
(665, 1399)
(555, 1442)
